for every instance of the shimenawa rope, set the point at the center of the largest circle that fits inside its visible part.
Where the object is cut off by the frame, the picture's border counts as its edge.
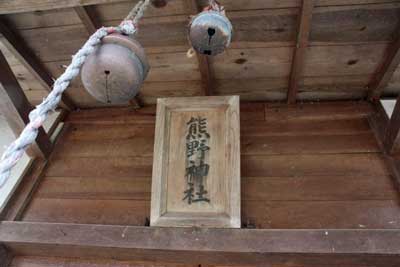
(37, 116)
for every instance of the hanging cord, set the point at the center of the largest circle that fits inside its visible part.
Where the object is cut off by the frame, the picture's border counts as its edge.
(214, 5)
(37, 116)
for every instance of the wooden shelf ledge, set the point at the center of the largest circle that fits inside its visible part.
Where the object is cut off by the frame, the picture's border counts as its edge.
(206, 246)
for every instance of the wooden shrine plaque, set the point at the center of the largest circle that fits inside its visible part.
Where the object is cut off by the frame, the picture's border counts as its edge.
(196, 168)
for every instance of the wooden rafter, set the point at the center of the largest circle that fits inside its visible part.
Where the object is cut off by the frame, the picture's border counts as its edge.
(88, 18)
(392, 134)
(5, 256)
(19, 200)
(16, 6)
(206, 76)
(205, 246)
(385, 72)
(207, 79)
(25, 55)
(300, 49)
(379, 122)
(15, 107)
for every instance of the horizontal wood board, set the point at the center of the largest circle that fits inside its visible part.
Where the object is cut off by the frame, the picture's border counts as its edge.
(301, 168)
(348, 41)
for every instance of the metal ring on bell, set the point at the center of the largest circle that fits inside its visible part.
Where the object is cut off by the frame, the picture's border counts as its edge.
(115, 72)
(210, 33)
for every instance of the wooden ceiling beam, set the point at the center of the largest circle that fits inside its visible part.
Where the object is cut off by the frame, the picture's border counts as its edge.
(207, 79)
(243, 247)
(18, 6)
(28, 59)
(300, 49)
(5, 256)
(392, 132)
(88, 18)
(15, 107)
(206, 76)
(379, 122)
(385, 72)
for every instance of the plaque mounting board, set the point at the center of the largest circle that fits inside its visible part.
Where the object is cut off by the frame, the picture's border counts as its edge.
(196, 167)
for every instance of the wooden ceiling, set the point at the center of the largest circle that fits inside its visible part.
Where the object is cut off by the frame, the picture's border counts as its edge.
(344, 48)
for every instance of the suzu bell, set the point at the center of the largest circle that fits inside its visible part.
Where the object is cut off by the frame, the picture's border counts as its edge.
(210, 32)
(115, 72)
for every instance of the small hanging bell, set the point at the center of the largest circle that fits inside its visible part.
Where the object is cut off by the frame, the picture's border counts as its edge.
(210, 32)
(115, 72)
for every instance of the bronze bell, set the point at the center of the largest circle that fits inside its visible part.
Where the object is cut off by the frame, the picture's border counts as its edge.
(115, 72)
(210, 32)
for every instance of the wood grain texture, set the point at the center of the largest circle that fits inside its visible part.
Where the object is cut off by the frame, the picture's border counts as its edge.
(303, 34)
(348, 41)
(15, 43)
(15, 108)
(223, 247)
(317, 164)
(5, 256)
(223, 179)
(391, 138)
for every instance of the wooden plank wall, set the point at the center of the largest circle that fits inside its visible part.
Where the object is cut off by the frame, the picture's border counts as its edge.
(348, 41)
(303, 167)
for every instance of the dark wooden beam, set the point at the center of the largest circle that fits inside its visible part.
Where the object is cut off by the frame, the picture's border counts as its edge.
(20, 199)
(379, 122)
(88, 18)
(204, 246)
(15, 107)
(28, 59)
(392, 134)
(5, 256)
(207, 78)
(385, 71)
(159, 3)
(17, 6)
(136, 102)
(300, 49)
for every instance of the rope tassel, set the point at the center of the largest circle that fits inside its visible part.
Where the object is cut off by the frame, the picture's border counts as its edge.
(15, 151)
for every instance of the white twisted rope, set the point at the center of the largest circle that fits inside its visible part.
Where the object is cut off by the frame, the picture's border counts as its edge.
(37, 116)
(216, 6)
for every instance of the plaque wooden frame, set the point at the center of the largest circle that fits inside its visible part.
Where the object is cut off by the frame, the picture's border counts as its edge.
(168, 208)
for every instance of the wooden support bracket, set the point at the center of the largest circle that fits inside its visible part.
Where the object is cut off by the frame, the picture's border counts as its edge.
(88, 18)
(385, 71)
(28, 59)
(15, 107)
(5, 256)
(300, 49)
(207, 78)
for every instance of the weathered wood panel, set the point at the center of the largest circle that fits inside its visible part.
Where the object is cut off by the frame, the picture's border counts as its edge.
(322, 214)
(304, 166)
(348, 40)
(26, 261)
(88, 211)
(212, 247)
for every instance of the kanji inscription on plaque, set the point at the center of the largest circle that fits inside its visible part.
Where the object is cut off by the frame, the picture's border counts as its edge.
(196, 167)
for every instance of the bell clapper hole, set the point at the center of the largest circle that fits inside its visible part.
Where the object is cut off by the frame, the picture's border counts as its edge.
(107, 73)
(211, 32)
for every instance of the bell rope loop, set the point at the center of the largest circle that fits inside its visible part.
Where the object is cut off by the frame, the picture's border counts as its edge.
(216, 6)
(16, 149)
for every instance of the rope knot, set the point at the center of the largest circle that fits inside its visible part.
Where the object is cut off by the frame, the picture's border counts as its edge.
(128, 27)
